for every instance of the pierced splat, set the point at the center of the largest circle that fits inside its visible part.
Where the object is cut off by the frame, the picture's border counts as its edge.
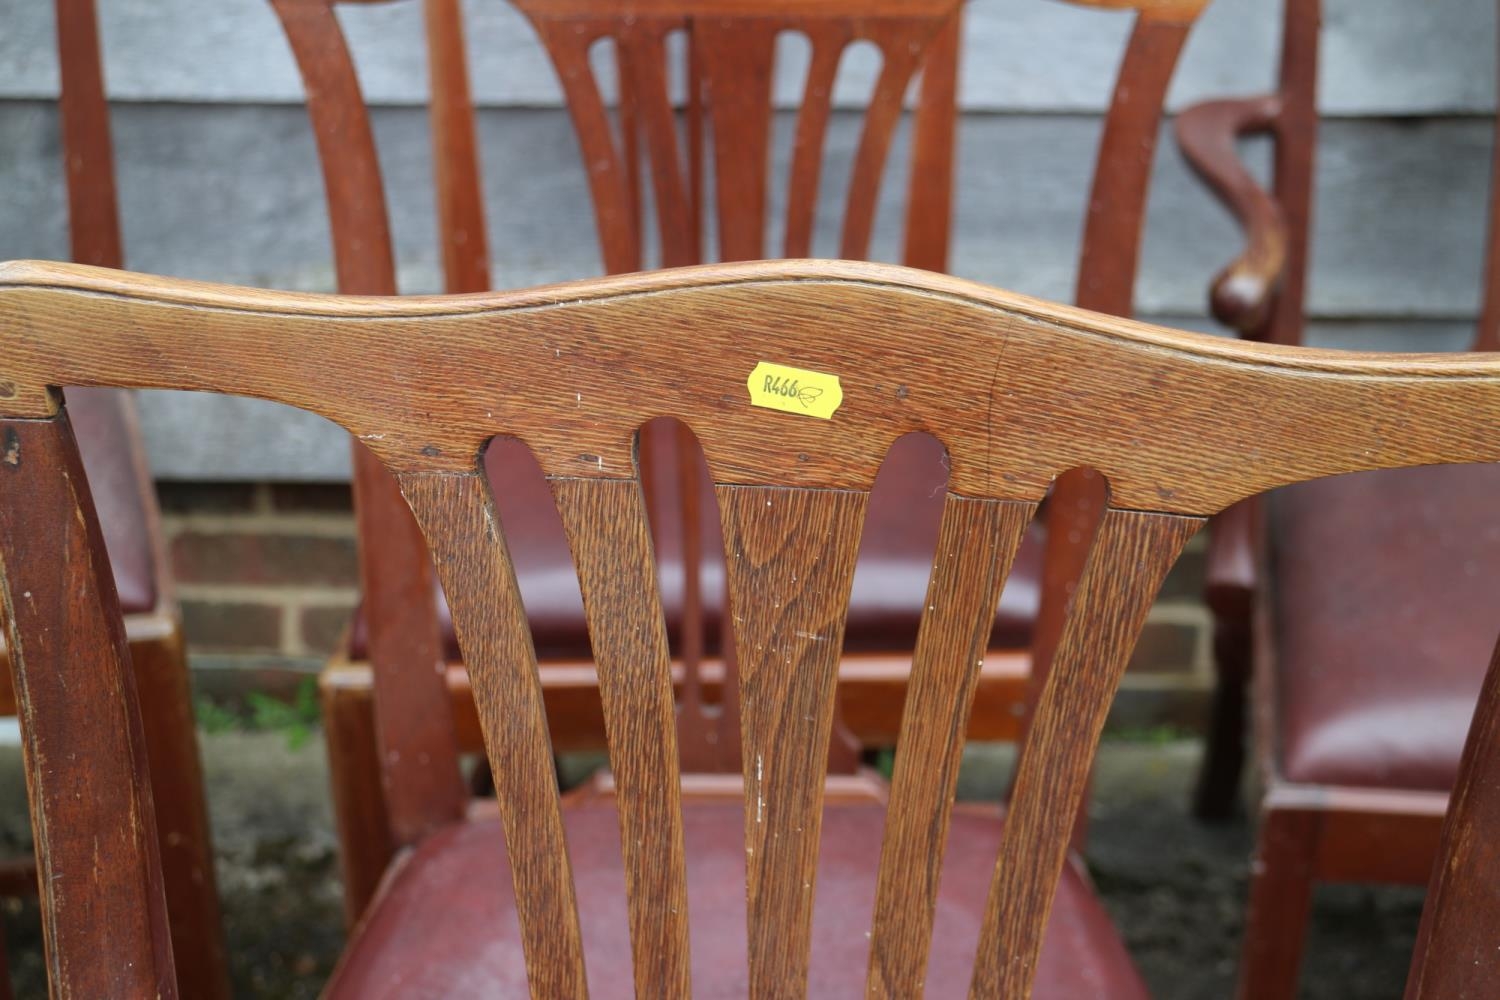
(730, 60)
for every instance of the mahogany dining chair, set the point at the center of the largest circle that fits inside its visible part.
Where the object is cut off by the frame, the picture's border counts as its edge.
(114, 461)
(632, 890)
(720, 141)
(1355, 607)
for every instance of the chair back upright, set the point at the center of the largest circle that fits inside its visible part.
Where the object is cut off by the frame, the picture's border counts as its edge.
(1291, 118)
(1164, 418)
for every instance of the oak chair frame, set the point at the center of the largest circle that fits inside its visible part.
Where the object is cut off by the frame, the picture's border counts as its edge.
(155, 637)
(376, 814)
(1179, 425)
(1309, 832)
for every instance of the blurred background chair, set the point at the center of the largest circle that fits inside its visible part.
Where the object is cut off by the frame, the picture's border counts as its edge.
(705, 151)
(114, 460)
(425, 400)
(1355, 608)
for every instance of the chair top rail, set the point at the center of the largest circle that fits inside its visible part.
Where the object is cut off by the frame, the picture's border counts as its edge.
(1177, 422)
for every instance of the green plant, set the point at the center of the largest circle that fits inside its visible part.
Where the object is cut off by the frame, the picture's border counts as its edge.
(216, 718)
(266, 713)
(297, 717)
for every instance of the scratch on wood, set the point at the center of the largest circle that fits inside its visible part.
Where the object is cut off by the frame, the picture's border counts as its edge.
(12, 455)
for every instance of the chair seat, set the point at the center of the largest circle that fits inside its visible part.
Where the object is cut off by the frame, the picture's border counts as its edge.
(1386, 614)
(102, 424)
(890, 581)
(444, 925)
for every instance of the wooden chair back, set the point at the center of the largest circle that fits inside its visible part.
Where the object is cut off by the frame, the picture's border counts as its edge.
(728, 68)
(1277, 261)
(1177, 425)
(724, 130)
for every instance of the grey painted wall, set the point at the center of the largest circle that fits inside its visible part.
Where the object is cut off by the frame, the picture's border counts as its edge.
(219, 180)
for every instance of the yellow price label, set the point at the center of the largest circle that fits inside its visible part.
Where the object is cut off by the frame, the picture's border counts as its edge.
(794, 390)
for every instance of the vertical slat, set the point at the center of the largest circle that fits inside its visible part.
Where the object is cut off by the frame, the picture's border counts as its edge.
(976, 544)
(1131, 555)
(1455, 954)
(643, 60)
(458, 517)
(419, 748)
(1488, 335)
(455, 152)
(362, 254)
(628, 117)
(699, 730)
(103, 905)
(93, 215)
(1074, 505)
(1296, 149)
(790, 564)
(614, 211)
(606, 525)
(418, 740)
(828, 44)
(900, 50)
(695, 120)
(737, 60)
(1122, 170)
(929, 198)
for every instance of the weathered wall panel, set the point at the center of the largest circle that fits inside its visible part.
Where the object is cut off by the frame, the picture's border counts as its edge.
(1383, 56)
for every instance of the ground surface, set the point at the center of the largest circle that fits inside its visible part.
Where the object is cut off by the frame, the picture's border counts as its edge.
(1176, 888)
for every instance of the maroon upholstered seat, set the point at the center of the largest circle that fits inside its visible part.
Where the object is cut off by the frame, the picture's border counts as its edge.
(101, 424)
(889, 586)
(444, 924)
(1386, 612)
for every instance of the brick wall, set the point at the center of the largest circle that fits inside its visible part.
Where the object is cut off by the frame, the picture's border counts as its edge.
(268, 575)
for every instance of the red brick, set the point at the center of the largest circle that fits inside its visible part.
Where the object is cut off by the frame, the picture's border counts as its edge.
(238, 626)
(252, 557)
(322, 627)
(206, 498)
(332, 498)
(1165, 648)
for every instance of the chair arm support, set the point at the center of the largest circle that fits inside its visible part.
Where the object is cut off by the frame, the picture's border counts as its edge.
(1230, 574)
(1241, 294)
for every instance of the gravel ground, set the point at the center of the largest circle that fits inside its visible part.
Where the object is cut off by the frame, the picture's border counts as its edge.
(1176, 888)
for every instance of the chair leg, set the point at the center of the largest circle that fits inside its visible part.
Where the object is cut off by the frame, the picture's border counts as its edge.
(187, 859)
(5, 986)
(1281, 880)
(1218, 792)
(365, 843)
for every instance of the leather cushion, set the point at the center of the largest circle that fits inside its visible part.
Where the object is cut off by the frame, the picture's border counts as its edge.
(890, 581)
(1386, 615)
(105, 430)
(444, 925)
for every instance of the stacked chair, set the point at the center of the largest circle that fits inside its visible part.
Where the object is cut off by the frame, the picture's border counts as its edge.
(1357, 605)
(645, 888)
(388, 795)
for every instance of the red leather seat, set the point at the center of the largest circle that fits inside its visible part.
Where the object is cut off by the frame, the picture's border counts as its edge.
(101, 424)
(890, 582)
(1387, 612)
(444, 926)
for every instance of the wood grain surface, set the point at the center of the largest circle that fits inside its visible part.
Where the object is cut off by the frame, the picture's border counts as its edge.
(1173, 425)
